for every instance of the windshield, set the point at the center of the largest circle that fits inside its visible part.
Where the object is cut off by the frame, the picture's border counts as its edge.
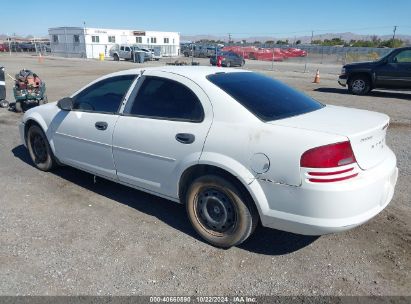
(385, 56)
(266, 98)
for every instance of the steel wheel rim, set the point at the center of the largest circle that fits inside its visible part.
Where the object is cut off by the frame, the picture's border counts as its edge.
(39, 148)
(215, 211)
(358, 85)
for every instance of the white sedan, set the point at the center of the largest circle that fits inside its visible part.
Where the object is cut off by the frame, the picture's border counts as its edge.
(234, 146)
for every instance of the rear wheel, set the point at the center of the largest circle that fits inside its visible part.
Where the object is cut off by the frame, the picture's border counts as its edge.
(359, 85)
(219, 212)
(39, 149)
(4, 104)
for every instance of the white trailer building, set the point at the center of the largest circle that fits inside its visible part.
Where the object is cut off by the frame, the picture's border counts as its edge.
(90, 42)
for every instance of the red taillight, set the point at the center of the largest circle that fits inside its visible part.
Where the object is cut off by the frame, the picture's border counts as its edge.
(330, 156)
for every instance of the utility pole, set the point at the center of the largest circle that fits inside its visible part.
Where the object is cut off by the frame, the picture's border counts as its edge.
(229, 38)
(312, 36)
(393, 35)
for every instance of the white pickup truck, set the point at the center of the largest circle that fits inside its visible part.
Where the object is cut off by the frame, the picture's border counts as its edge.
(127, 52)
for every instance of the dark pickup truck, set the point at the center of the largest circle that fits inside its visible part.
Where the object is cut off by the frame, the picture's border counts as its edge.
(393, 71)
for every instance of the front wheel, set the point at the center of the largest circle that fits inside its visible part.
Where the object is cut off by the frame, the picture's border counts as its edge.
(116, 58)
(359, 85)
(219, 212)
(39, 149)
(18, 107)
(43, 101)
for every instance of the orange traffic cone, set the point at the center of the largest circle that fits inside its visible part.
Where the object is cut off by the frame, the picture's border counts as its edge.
(41, 59)
(317, 77)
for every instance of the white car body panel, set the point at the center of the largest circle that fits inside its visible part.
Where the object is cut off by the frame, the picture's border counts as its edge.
(366, 130)
(146, 152)
(78, 143)
(264, 156)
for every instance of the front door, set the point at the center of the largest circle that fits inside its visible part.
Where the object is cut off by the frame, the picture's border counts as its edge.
(83, 136)
(396, 73)
(162, 130)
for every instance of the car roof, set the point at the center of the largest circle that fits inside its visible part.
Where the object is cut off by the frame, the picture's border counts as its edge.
(196, 73)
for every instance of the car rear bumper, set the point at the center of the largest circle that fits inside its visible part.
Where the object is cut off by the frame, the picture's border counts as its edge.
(323, 208)
(342, 80)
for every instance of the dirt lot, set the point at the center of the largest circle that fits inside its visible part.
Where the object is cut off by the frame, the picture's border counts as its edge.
(62, 234)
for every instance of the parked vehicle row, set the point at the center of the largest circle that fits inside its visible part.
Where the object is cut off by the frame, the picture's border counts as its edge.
(200, 51)
(235, 147)
(266, 54)
(25, 47)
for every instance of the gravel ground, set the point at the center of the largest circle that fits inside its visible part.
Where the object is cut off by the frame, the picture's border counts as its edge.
(63, 234)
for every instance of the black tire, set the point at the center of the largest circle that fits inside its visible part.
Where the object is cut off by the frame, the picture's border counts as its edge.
(359, 85)
(4, 104)
(219, 212)
(18, 107)
(228, 64)
(242, 63)
(43, 101)
(39, 149)
(116, 58)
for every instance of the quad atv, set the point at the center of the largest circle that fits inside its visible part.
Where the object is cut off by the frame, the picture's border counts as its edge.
(29, 90)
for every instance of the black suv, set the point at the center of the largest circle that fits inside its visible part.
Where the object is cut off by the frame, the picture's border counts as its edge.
(392, 71)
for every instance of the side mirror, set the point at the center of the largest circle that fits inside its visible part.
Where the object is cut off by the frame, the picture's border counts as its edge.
(66, 103)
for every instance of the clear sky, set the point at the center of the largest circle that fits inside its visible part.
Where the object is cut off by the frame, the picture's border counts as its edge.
(242, 18)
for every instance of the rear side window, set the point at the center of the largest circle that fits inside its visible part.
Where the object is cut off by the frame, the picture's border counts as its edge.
(104, 96)
(266, 98)
(162, 98)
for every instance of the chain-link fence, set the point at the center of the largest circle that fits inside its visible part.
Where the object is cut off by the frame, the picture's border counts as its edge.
(313, 54)
(335, 54)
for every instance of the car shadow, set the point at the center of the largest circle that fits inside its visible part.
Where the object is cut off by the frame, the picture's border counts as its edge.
(264, 241)
(383, 94)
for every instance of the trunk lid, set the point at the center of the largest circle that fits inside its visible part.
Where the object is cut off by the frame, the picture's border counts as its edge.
(365, 130)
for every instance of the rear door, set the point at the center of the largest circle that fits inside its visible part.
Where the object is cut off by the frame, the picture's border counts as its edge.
(83, 136)
(396, 73)
(162, 129)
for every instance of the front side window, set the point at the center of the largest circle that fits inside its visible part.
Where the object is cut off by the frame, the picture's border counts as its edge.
(162, 98)
(403, 57)
(266, 98)
(104, 96)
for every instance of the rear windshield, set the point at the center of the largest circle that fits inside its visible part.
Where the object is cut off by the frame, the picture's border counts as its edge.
(266, 98)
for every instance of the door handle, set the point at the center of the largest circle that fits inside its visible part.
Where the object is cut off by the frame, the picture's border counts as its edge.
(185, 138)
(101, 125)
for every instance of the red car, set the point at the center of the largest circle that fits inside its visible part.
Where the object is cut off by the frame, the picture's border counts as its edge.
(4, 47)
